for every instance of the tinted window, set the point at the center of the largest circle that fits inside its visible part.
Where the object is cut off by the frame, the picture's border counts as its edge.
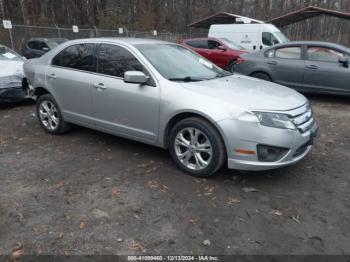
(213, 44)
(77, 57)
(198, 43)
(34, 45)
(115, 61)
(269, 39)
(323, 54)
(288, 53)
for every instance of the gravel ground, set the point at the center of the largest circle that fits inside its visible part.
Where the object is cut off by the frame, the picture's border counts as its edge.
(91, 193)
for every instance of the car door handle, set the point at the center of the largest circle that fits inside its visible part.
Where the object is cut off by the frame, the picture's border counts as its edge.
(313, 67)
(272, 62)
(100, 86)
(52, 76)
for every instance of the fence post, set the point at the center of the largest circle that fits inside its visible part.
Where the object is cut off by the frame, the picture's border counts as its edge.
(58, 31)
(10, 31)
(96, 31)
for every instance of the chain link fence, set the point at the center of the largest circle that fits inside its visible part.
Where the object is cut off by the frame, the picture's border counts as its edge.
(21, 33)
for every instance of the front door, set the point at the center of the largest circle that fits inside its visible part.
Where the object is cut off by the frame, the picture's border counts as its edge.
(323, 72)
(218, 56)
(287, 66)
(123, 108)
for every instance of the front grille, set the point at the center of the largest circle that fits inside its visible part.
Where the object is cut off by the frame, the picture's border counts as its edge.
(304, 121)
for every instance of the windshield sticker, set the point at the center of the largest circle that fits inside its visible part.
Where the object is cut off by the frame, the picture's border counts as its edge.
(9, 55)
(206, 63)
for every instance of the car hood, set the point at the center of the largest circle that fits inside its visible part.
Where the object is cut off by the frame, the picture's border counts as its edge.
(249, 93)
(10, 68)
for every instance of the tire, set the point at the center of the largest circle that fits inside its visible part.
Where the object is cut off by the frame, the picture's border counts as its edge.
(192, 156)
(261, 76)
(232, 66)
(50, 116)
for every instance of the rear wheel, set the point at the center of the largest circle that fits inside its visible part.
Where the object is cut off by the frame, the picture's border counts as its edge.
(196, 147)
(262, 76)
(50, 116)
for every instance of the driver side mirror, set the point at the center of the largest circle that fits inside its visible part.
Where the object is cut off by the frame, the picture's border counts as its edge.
(222, 48)
(46, 49)
(135, 77)
(344, 60)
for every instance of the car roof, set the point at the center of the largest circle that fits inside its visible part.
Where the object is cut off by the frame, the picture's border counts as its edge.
(46, 39)
(130, 41)
(201, 38)
(318, 43)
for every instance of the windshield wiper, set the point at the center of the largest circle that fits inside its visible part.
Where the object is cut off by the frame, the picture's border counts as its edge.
(188, 79)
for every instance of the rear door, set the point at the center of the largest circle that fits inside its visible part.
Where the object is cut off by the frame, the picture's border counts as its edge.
(69, 80)
(123, 108)
(286, 65)
(323, 72)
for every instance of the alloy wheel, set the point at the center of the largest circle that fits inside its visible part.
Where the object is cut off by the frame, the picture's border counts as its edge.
(48, 114)
(193, 148)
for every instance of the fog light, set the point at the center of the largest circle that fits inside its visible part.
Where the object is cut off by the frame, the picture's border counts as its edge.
(270, 153)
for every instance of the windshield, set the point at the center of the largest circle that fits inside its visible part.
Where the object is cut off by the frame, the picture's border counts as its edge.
(231, 44)
(52, 44)
(281, 36)
(8, 54)
(175, 62)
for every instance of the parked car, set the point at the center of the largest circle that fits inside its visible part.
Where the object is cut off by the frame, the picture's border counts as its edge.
(252, 36)
(11, 75)
(203, 114)
(307, 66)
(221, 52)
(36, 47)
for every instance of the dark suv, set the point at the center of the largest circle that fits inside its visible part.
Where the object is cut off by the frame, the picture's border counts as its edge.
(36, 47)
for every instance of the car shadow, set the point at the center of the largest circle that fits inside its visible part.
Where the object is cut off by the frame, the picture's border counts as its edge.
(10, 105)
(328, 98)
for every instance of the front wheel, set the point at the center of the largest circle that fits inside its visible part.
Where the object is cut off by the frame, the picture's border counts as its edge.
(196, 147)
(50, 116)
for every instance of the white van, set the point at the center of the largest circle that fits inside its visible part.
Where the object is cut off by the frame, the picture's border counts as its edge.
(250, 36)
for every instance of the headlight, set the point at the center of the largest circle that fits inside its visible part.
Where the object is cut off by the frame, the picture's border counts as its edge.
(275, 120)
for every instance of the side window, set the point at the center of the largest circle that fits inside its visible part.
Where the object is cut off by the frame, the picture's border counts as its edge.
(323, 54)
(213, 44)
(198, 43)
(115, 61)
(269, 39)
(288, 53)
(81, 57)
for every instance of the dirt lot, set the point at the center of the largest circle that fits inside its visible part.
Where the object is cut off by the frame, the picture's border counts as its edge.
(91, 193)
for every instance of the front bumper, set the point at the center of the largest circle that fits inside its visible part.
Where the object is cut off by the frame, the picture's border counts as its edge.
(12, 94)
(248, 135)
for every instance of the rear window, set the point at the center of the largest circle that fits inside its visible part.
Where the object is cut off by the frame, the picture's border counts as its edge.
(288, 53)
(8, 54)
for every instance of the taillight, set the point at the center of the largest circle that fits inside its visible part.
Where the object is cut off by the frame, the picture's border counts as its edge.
(239, 60)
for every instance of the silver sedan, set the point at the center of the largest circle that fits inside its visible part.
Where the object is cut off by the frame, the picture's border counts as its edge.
(168, 96)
